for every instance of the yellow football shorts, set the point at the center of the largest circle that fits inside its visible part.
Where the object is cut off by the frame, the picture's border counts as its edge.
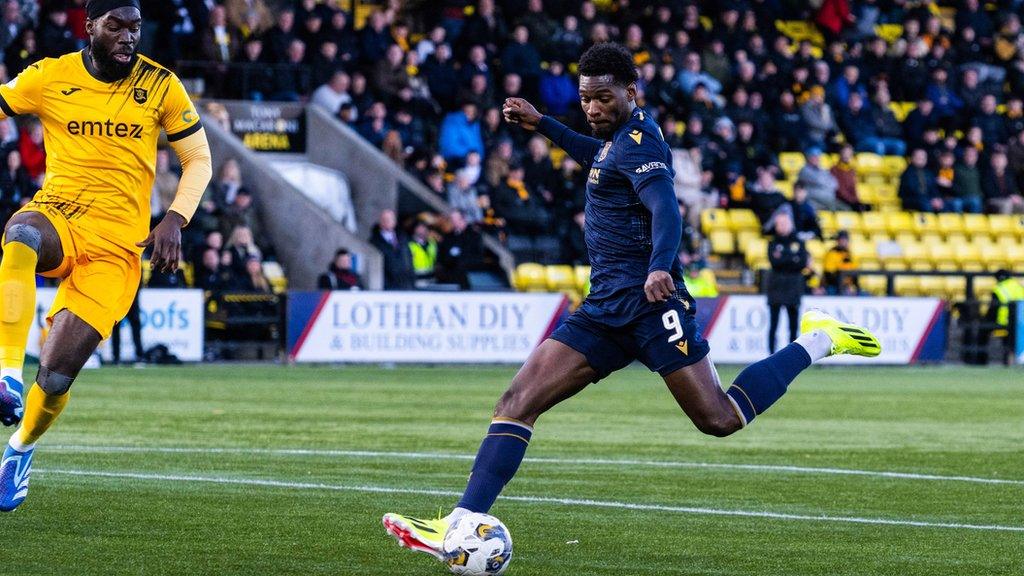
(99, 279)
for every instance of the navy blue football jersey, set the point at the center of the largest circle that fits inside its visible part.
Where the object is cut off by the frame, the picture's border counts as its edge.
(618, 228)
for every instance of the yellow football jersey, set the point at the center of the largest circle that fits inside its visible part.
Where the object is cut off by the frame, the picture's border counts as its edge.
(101, 139)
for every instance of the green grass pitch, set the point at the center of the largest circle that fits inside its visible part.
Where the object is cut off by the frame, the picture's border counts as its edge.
(267, 470)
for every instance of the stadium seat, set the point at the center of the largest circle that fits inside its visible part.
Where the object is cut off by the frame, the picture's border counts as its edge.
(874, 284)
(816, 248)
(993, 256)
(722, 242)
(744, 237)
(743, 219)
(849, 221)
(786, 187)
(530, 277)
(894, 166)
(827, 221)
(955, 287)
(1015, 257)
(904, 237)
(968, 257)
(889, 32)
(862, 249)
(869, 164)
(907, 285)
(561, 278)
(1001, 225)
(917, 257)
(791, 163)
(976, 225)
(873, 223)
(932, 286)
(942, 256)
(950, 223)
(925, 222)
(755, 253)
(583, 279)
(983, 286)
(714, 219)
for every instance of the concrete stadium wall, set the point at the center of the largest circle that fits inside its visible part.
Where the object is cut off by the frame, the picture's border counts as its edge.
(304, 236)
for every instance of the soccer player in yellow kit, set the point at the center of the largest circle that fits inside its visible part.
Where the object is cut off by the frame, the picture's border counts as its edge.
(102, 110)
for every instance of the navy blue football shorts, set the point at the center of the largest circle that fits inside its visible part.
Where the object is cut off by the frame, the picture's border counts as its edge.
(664, 336)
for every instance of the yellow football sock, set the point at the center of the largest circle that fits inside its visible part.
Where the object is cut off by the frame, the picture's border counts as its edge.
(41, 409)
(17, 301)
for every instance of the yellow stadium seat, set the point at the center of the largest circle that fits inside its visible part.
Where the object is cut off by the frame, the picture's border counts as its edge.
(557, 155)
(993, 256)
(908, 285)
(968, 257)
(888, 194)
(983, 287)
(976, 225)
(561, 278)
(905, 237)
(889, 32)
(879, 237)
(582, 278)
(874, 284)
(955, 287)
(849, 221)
(827, 221)
(743, 219)
(744, 237)
(755, 251)
(1018, 226)
(932, 286)
(714, 219)
(722, 242)
(1001, 225)
(816, 248)
(867, 192)
(868, 163)
(894, 166)
(873, 222)
(951, 223)
(925, 222)
(916, 257)
(942, 256)
(786, 187)
(1006, 240)
(862, 249)
(901, 109)
(957, 238)
(930, 238)
(530, 277)
(894, 261)
(791, 163)
(1015, 257)
(829, 160)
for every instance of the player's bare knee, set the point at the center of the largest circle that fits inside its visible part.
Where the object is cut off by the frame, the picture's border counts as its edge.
(515, 403)
(53, 383)
(719, 425)
(24, 233)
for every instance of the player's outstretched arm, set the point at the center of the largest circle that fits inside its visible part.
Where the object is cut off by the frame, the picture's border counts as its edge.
(658, 196)
(196, 170)
(581, 148)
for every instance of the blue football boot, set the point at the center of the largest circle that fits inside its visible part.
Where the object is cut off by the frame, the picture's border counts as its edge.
(15, 469)
(12, 405)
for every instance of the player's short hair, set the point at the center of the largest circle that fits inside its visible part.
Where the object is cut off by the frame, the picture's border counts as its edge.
(609, 59)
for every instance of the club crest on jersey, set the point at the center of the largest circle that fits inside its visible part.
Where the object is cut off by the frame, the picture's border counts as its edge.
(604, 152)
(141, 95)
(636, 135)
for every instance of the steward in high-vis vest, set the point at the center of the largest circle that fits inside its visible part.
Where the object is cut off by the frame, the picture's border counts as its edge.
(1007, 290)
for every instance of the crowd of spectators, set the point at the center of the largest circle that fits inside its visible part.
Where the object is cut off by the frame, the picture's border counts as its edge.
(729, 89)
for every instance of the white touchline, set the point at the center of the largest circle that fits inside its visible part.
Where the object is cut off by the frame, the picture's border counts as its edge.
(539, 460)
(529, 499)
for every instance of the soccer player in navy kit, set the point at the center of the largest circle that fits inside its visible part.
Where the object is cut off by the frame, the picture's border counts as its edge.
(638, 308)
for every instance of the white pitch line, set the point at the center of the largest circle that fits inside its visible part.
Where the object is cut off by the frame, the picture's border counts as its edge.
(541, 460)
(533, 500)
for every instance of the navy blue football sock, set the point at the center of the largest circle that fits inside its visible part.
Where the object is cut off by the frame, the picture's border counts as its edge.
(499, 457)
(759, 385)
